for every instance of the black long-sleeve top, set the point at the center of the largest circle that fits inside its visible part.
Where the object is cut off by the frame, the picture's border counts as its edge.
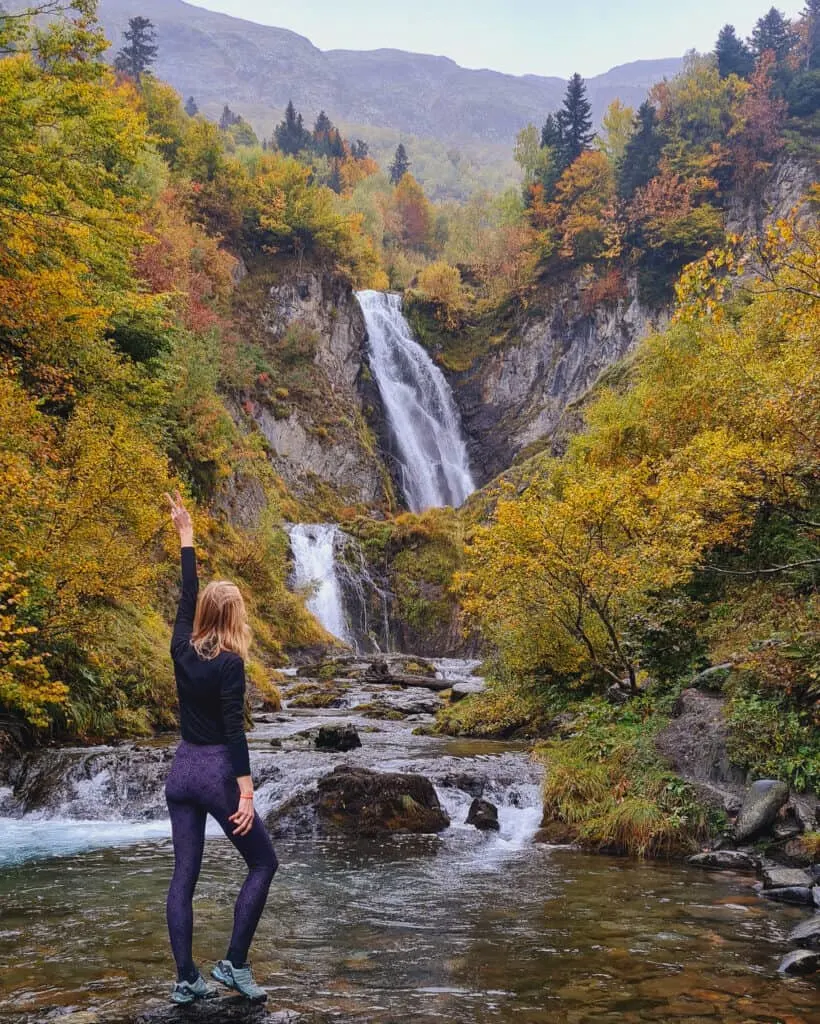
(211, 692)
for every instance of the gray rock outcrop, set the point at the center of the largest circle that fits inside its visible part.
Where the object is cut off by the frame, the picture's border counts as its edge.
(763, 800)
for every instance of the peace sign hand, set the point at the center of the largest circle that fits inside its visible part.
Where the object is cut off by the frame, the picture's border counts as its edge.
(181, 518)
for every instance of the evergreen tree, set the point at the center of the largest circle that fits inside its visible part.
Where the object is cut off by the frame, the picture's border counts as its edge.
(575, 121)
(551, 135)
(642, 154)
(733, 56)
(228, 119)
(360, 150)
(773, 32)
(322, 134)
(191, 108)
(336, 145)
(291, 135)
(400, 165)
(811, 15)
(140, 49)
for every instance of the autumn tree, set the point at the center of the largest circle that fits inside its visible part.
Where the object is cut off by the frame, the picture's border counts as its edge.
(140, 50)
(618, 124)
(400, 165)
(757, 137)
(414, 212)
(583, 209)
(733, 55)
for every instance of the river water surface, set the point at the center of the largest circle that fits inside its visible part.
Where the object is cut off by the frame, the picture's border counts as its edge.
(465, 927)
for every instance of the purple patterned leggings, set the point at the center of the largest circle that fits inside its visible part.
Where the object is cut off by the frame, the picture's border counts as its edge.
(202, 782)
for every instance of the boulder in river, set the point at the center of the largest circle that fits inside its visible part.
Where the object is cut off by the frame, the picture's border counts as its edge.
(763, 800)
(800, 961)
(797, 894)
(726, 860)
(807, 934)
(366, 803)
(466, 688)
(483, 815)
(337, 738)
(225, 1010)
(775, 877)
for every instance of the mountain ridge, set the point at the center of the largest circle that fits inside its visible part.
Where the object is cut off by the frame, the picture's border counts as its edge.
(257, 68)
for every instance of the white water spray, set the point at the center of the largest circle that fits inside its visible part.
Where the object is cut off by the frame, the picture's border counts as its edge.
(420, 408)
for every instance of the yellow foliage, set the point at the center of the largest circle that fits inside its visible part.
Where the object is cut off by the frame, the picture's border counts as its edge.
(440, 284)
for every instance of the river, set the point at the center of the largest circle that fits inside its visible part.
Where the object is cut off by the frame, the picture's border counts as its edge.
(463, 928)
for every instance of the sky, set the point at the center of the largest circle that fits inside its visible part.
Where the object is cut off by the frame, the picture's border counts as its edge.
(540, 37)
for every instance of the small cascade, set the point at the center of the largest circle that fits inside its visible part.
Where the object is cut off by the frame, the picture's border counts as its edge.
(314, 566)
(345, 596)
(422, 414)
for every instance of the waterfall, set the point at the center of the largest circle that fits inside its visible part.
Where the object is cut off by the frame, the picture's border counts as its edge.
(314, 558)
(346, 598)
(421, 411)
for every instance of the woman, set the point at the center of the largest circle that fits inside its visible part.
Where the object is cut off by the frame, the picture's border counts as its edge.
(211, 771)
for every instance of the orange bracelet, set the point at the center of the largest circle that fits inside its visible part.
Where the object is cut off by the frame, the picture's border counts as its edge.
(243, 797)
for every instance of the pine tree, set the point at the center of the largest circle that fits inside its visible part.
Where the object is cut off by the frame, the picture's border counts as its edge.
(551, 135)
(400, 165)
(360, 150)
(811, 15)
(642, 154)
(228, 119)
(291, 135)
(191, 108)
(140, 49)
(322, 134)
(575, 121)
(733, 56)
(773, 32)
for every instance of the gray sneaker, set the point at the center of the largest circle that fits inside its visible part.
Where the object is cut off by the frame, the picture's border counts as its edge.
(190, 991)
(240, 979)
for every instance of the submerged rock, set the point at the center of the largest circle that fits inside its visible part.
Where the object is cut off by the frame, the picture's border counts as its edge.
(366, 803)
(763, 800)
(338, 738)
(483, 815)
(725, 860)
(800, 961)
(807, 934)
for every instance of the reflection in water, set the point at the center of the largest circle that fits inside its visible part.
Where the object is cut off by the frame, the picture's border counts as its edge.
(464, 929)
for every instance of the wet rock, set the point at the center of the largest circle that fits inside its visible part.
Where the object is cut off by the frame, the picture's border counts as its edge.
(807, 934)
(472, 784)
(366, 803)
(555, 833)
(337, 738)
(726, 860)
(225, 1010)
(797, 894)
(483, 815)
(694, 743)
(805, 809)
(782, 878)
(466, 688)
(800, 961)
(763, 800)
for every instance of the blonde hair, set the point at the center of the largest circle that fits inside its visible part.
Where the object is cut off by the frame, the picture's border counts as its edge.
(221, 621)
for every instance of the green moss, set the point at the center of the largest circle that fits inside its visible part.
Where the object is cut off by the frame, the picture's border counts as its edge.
(458, 350)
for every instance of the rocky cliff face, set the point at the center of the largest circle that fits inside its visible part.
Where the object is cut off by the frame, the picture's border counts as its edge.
(519, 392)
(315, 423)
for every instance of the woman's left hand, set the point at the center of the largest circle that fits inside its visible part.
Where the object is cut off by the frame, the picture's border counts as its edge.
(243, 818)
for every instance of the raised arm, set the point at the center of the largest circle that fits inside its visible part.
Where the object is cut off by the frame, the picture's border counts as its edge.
(184, 624)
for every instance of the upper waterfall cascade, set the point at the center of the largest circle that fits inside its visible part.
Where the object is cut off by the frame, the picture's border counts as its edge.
(421, 411)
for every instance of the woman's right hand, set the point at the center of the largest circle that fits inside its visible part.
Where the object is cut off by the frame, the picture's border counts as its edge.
(243, 818)
(181, 518)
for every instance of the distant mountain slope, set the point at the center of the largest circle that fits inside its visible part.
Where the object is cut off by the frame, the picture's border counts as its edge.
(257, 69)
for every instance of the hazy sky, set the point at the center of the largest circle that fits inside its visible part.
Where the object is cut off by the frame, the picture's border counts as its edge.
(542, 37)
